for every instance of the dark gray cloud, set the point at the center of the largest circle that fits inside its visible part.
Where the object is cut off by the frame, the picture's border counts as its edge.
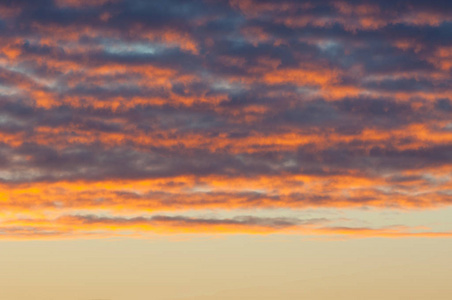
(183, 221)
(136, 90)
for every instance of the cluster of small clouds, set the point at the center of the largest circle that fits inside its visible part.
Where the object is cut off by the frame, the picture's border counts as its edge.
(178, 105)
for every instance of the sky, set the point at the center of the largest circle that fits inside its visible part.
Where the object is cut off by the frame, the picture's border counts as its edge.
(225, 149)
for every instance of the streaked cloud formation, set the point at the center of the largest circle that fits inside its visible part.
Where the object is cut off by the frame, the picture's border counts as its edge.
(122, 116)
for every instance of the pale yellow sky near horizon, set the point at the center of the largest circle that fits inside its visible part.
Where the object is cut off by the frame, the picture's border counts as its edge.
(226, 267)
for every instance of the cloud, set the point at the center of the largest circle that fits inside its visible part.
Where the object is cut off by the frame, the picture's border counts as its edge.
(100, 226)
(191, 105)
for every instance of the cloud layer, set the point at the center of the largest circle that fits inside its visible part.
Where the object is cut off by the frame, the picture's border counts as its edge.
(156, 106)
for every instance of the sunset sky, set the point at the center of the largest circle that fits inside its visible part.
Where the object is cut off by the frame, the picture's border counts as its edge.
(225, 149)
